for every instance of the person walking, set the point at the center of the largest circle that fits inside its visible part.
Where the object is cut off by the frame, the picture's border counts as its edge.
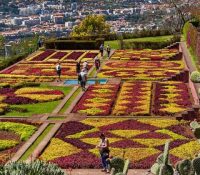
(101, 50)
(108, 50)
(58, 70)
(78, 67)
(97, 63)
(83, 79)
(104, 151)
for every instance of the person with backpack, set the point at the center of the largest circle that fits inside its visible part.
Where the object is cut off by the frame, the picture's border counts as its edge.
(58, 70)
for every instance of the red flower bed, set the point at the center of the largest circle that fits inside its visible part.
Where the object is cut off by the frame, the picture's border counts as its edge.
(59, 55)
(171, 98)
(90, 55)
(74, 55)
(94, 101)
(43, 55)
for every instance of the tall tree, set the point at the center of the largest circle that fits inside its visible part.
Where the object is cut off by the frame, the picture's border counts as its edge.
(91, 25)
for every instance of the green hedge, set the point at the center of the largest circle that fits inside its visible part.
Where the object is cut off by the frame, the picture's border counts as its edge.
(74, 44)
(192, 36)
(9, 61)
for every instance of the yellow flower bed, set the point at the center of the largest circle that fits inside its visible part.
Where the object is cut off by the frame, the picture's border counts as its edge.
(42, 97)
(28, 90)
(163, 123)
(186, 151)
(58, 148)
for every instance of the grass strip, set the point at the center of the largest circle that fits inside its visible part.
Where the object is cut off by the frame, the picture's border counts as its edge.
(115, 44)
(39, 108)
(30, 150)
(71, 99)
(56, 118)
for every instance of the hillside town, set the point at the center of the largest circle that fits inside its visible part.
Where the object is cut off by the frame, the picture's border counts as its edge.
(20, 19)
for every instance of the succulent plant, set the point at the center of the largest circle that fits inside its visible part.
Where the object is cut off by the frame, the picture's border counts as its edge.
(197, 133)
(195, 76)
(118, 164)
(37, 167)
(196, 165)
(184, 167)
(162, 166)
(166, 170)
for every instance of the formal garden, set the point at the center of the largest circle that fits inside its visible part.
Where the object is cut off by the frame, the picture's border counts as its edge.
(146, 100)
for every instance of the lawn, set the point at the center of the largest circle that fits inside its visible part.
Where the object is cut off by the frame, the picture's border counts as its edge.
(115, 44)
(39, 108)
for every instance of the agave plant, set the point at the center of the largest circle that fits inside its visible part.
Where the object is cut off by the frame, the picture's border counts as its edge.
(37, 167)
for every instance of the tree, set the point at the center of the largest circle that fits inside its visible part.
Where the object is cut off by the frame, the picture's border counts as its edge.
(183, 11)
(2, 41)
(91, 25)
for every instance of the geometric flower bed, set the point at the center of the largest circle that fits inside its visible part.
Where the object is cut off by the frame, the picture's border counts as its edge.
(140, 141)
(141, 70)
(134, 99)
(42, 66)
(28, 95)
(145, 54)
(97, 100)
(12, 136)
(171, 97)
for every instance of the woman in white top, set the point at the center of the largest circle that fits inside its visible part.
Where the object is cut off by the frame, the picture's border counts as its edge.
(104, 151)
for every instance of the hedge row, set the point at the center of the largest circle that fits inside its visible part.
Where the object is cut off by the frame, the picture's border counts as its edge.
(9, 61)
(192, 34)
(74, 44)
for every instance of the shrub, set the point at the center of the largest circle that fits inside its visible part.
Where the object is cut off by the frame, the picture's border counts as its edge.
(37, 167)
(195, 77)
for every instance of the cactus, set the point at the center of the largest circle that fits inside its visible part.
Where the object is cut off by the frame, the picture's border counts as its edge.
(166, 170)
(197, 133)
(196, 165)
(162, 166)
(120, 174)
(118, 164)
(155, 169)
(37, 167)
(184, 167)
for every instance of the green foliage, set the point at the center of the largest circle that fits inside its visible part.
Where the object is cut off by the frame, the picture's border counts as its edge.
(37, 167)
(162, 166)
(185, 29)
(5, 144)
(146, 42)
(184, 167)
(196, 165)
(23, 130)
(118, 164)
(91, 25)
(166, 170)
(195, 76)
(197, 133)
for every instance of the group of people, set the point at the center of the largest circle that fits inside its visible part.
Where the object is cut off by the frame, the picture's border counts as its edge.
(82, 72)
(108, 49)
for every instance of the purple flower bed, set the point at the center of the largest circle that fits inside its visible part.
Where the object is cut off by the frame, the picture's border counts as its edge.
(59, 55)
(74, 55)
(43, 55)
(90, 55)
(14, 100)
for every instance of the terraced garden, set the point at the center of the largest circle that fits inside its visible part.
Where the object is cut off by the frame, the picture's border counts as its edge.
(146, 101)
